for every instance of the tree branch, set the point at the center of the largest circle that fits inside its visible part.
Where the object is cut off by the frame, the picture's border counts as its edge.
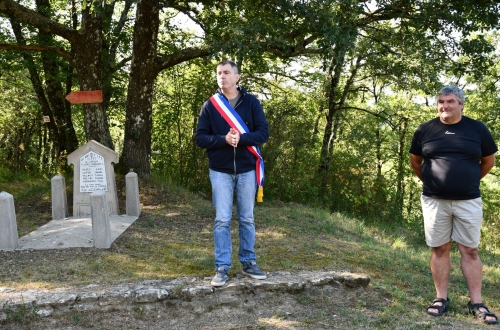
(378, 115)
(182, 55)
(12, 9)
(37, 48)
(402, 9)
(119, 27)
(187, 11)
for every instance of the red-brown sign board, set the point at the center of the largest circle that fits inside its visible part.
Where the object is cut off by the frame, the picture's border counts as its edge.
(85, 97)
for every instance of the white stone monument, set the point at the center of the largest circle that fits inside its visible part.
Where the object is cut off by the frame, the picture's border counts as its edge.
(93, 171)
(59, 200)
(133, 206)
(9, 239)
(101, 230)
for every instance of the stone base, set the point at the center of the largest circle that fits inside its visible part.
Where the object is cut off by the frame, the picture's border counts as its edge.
(188, 290)
(70, 233)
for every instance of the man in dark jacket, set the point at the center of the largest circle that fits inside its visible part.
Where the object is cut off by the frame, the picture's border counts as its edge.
(232, 168)
(450, 155)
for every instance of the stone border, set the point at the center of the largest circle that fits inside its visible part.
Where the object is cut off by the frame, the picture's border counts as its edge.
(149, 293)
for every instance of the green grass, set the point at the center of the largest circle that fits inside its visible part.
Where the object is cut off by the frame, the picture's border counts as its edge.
(173, 238)
(31, 201)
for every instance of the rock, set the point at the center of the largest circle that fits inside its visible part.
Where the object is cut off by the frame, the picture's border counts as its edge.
(187, 292)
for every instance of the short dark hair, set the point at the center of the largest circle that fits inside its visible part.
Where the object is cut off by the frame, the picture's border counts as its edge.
(453, 90)
(233, 65)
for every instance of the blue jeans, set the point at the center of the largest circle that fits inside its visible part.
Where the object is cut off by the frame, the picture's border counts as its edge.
(223, 187)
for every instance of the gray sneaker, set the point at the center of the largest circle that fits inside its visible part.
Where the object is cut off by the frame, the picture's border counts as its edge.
(220, 277)
(251, 269)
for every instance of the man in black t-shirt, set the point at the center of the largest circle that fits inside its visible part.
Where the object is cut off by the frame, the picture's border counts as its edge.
(450, 155)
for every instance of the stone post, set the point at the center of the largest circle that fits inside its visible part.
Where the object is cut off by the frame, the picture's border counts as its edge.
(101, 231)
(9, 239)
(133, 205)
(59, 200)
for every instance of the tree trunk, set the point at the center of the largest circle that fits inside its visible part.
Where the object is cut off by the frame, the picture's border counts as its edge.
(402, 157)
(335, 103)
(88, 63)
(378, 154)
(38, 88)
(139, 114)
(54, 89)
(325, 157)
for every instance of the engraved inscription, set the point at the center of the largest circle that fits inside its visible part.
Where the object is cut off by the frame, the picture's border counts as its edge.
(92, 173)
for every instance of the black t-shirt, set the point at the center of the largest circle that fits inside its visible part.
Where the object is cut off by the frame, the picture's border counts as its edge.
(451, 155)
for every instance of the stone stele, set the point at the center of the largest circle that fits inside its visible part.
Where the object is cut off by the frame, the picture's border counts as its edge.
(93, 171)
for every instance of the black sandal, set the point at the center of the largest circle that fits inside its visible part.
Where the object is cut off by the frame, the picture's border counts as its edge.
(475, 310)
(441, 308)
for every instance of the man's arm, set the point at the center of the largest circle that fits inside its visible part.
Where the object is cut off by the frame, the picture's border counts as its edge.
(416, 165)
(259, 133)
(205, 136)
(486, 164)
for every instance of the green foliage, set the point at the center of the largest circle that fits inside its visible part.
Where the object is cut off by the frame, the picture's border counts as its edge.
(291, 153)
(368, 72)
(20, 126)
(180, 94)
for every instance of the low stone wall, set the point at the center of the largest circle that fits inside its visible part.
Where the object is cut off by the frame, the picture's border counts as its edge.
(188, 290)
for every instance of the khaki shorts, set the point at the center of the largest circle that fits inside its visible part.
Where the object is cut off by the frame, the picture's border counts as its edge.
(458, 220)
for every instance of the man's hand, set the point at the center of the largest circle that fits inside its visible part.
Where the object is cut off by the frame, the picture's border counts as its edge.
(233, 137)
(416, 165)
(487, 164)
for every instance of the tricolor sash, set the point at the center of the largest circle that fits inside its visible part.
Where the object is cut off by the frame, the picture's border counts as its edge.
(234, 120)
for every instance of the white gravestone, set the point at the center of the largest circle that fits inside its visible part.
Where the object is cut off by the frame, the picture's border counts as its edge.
(9, 239)
(93, 171)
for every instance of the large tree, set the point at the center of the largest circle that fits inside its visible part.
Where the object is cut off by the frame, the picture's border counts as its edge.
(401, 41)
(85, 55)
(240, 29)
(249, 31)
(51, 93)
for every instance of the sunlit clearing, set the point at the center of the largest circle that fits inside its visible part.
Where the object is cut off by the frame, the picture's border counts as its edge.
(399, 243)
(34, 286)
(271, 234)
(279, 324)
(492, 273)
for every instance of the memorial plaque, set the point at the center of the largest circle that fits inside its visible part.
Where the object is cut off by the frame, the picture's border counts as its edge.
(92, 173)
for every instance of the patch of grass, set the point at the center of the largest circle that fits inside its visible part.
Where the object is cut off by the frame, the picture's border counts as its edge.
(173, 238)
(31, 199)
(24, 313)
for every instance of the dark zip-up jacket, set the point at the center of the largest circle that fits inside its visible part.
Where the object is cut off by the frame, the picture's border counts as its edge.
(212, 130)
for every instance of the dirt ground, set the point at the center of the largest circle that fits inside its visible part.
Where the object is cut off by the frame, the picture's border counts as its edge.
(272, 311)
(312, 310)
(360, 308)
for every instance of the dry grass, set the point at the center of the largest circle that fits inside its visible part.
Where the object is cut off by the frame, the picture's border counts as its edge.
(173, 238)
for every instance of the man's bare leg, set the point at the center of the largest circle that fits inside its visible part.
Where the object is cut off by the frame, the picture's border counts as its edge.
(472, 269)
(471, 266)
(440, 268)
